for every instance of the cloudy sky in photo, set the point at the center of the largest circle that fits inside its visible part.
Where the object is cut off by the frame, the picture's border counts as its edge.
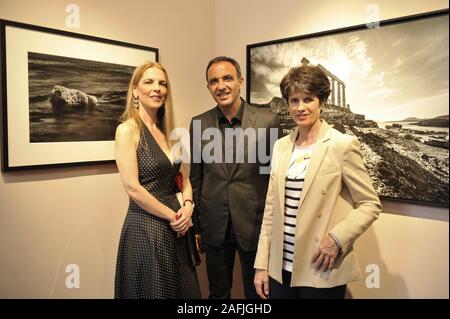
(390, 73)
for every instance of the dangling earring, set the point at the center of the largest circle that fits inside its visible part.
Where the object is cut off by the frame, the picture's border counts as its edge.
(135, 102)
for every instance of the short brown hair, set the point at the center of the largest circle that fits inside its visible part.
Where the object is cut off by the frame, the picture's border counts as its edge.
(308, 79)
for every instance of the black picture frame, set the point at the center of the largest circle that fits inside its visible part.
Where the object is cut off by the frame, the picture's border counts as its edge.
(39, 133)
(406, 158)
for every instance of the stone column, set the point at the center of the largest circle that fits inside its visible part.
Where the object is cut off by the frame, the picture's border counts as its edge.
(343, 95)
(339, 94)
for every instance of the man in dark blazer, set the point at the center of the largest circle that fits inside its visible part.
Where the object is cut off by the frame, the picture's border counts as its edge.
(231, 146)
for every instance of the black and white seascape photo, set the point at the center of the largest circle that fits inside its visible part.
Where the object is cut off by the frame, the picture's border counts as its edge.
(74, 99)
(389, 88)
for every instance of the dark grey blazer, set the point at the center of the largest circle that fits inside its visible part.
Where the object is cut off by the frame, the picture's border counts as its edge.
(243, 185)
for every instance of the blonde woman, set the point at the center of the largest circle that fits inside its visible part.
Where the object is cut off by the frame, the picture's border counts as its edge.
(152, 260)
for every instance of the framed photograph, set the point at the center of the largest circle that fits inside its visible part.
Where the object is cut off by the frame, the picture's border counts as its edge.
(62, 95)
(389, 83)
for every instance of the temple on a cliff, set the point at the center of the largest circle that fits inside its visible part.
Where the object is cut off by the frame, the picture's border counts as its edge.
(337, 96)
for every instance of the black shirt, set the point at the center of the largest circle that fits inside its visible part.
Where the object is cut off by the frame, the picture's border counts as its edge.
(224, 123)
(236, 121)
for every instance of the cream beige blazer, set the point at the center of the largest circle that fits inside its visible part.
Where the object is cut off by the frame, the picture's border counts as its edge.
(337, 197)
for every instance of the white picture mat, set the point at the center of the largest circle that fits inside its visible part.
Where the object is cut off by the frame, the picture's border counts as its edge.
(19, 42)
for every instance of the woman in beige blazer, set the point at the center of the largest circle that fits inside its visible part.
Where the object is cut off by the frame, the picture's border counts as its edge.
(319, 201)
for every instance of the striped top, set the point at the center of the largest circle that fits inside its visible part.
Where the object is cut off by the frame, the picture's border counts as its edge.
(295, 177)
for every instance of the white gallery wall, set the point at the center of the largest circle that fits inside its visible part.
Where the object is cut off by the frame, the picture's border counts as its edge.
(51, 218)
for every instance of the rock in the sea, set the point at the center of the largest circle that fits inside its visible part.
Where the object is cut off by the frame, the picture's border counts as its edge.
(66, 96)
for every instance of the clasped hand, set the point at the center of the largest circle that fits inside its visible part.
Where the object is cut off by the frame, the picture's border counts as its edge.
(180, 221)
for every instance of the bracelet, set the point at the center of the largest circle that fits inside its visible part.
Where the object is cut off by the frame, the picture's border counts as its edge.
(336, 240)
(188, 200)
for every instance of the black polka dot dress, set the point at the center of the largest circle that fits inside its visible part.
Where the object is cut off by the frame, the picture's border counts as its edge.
(151, 261)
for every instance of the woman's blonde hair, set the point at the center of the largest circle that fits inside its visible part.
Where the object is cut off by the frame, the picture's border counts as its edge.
(165, 113)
